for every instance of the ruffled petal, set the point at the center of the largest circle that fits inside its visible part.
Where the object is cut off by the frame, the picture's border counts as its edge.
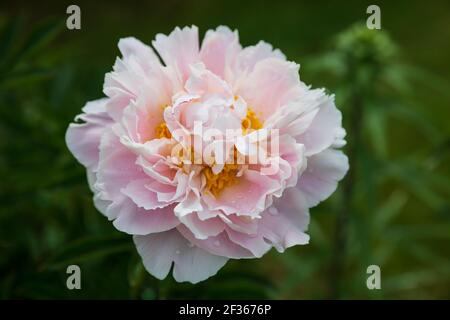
(324, 129)
(250, 56)
(245, 197)
(254, 243)
(179, 49)
(142, 196)
(271, 84)
(322, 175)
(137, 76)
(284, 224)
(137, 221)
(83, 139)
(131, 46)
(192, 264)
(218, 245)
(219, 48)
(202, 229)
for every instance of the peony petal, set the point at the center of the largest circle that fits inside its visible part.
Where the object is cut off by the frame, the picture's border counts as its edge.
(240, 223)
(134, 220)
(83, 139)
(179, 49)
(246, 197)
(100, 204)
(202, 229)
(192, 264)
(117, 167)
(271, 84)
(324, 128)
(191, 203)
(133, 47)
(322, 175)
(138, 76)
(255, 244)
(218, 245)
(201, 81)
(219, 48)
(250, 56)
(285, 223)
(137, 191)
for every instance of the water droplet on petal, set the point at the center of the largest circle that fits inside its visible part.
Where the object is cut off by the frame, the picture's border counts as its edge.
(177, 252)
(217, 243)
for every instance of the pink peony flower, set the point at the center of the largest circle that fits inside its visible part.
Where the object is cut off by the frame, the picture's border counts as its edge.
(164, 169)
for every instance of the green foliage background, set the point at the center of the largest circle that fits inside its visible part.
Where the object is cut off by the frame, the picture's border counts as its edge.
(392, 210)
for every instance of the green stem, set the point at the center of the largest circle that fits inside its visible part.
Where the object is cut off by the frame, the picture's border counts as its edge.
(341, 232)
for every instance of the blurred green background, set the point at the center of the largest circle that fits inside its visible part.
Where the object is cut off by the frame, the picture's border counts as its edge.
(392, 210)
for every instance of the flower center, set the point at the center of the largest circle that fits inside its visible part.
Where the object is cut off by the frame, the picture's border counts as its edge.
(215, 183)
(251, 121)
(162, 131)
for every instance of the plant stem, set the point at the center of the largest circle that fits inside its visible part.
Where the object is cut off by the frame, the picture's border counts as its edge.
(341, 231)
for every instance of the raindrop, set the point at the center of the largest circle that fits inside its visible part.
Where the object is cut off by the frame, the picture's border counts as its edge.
(177, 252)
(273, 211)
(217, 243)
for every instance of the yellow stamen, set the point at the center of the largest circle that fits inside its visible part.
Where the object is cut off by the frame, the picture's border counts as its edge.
(251, 121)
(215, 183)
(162, 131)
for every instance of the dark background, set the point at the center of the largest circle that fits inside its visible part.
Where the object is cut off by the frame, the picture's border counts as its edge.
(392, 210)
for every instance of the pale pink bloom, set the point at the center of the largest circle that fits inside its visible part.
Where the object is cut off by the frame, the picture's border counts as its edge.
(197, 216)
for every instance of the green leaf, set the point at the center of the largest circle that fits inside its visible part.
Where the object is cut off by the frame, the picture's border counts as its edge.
(410, 280)
(390, 209)
(8, 38)
(426, 255)
(148, 294)
(427, 78)
(376, 125)
(24, 74)
(38, 38)
(416, 178)
(428, 231)
(419, 121)
(89, 248)
(396, 78)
